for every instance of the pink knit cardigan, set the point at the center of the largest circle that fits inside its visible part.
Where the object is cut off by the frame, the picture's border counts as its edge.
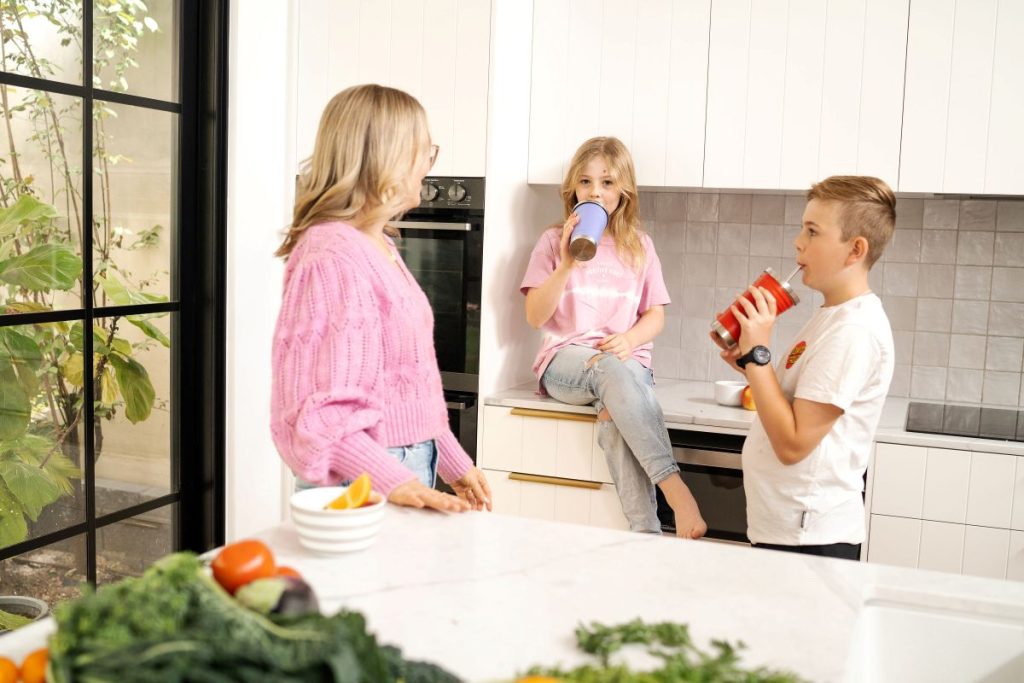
(354, 368)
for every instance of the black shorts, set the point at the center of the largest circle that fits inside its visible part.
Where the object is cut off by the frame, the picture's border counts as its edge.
(844, 551)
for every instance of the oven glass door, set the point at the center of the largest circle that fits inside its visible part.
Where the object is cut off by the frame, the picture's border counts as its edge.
(447, 265)
(718, 491)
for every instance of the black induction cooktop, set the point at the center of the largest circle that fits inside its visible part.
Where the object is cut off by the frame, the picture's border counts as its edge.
(985, 423)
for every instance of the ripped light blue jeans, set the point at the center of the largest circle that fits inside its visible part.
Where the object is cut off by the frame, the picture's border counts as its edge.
(635, 441)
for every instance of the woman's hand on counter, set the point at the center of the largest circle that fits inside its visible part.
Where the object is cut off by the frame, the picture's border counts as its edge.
(414, 494)
(474, 489)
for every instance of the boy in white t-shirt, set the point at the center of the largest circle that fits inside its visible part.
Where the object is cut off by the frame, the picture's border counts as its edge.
(817, 410)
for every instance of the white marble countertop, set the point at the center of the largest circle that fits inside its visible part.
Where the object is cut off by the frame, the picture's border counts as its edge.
(691, 405)
(487, 595)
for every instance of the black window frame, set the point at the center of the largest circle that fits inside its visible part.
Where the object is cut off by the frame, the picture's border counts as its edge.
(197, 439)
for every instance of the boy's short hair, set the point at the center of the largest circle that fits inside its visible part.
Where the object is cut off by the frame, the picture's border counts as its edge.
(869, 209)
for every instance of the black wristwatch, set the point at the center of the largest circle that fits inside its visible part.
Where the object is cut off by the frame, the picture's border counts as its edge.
(759, 355)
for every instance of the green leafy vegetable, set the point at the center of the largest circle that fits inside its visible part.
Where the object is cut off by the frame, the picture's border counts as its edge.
(175, 623)
(671, 643)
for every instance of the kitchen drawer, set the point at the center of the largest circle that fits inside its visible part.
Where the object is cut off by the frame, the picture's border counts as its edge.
(899, 480)
(555, 499)
(894, 540)
(542, 442)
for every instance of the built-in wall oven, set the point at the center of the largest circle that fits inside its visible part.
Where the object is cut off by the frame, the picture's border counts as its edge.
(442, 244)
(710, 465)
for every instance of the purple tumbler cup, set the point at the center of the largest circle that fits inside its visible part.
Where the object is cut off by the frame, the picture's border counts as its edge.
(587, 233)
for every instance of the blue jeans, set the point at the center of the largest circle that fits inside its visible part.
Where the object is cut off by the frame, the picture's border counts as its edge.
(420, 458)
(635, 441)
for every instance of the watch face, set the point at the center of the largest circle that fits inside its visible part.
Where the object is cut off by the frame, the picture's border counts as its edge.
(761, 355)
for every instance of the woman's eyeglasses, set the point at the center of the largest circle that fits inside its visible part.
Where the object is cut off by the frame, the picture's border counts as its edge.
(434, 149)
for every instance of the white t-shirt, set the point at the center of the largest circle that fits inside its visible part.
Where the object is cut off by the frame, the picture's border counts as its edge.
(843, 356)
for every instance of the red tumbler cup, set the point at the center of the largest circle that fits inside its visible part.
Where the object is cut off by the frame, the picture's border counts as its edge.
(727, 328)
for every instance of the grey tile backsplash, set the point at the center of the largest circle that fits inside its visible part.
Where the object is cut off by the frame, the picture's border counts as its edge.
(952, 281)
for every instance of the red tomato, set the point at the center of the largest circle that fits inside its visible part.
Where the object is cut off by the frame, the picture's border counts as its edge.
(284, 570)
(239, 563)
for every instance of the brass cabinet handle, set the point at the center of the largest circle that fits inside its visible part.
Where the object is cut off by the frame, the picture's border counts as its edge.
(553, 414)
(557, 481)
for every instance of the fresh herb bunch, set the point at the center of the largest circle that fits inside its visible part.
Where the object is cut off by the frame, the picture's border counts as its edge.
(670, 642)
(175, 623)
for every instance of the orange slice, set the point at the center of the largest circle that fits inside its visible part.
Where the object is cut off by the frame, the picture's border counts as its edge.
(354, 496)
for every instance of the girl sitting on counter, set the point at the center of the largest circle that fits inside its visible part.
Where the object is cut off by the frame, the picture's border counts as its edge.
(599, 317)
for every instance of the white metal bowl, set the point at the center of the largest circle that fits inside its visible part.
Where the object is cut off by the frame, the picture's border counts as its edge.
(332, 532)
(729, 392)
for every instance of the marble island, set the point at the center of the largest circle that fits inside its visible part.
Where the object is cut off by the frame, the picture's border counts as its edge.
(691, 405)
(488, 595)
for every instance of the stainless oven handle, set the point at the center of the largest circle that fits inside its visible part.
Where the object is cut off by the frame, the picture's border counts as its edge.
(690, 456)
(430, 225)
(457, 405)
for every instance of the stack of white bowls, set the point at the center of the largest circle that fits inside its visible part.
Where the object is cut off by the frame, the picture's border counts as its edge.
(332, 532)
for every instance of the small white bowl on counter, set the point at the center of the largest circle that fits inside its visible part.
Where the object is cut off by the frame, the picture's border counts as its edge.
(729, 392)
(333, 532)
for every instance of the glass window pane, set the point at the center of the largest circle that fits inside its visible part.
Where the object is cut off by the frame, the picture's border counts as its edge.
(40, 430)
(54, 573)
(133, 414)
(135, 47)
(43, 39)
(129, 547)
(40, 201)
(134, 190)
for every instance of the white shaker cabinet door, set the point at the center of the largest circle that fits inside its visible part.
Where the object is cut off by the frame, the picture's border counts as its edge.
(894, 540)
(898, 480)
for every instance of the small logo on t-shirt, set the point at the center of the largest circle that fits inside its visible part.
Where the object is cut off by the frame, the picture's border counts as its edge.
(795, 354)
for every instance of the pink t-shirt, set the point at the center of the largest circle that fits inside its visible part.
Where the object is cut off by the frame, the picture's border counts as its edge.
(603, 296)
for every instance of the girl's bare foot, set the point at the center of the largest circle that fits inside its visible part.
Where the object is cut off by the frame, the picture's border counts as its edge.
(689, 523)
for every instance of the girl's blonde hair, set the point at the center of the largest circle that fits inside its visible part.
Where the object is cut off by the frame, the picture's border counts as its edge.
(624, 222)
(368, 140)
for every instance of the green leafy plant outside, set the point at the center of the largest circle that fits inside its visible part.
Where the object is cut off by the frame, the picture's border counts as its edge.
(42, 389)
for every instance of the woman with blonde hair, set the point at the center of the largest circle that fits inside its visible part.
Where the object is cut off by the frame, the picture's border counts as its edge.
(356, 387)
(599, 317)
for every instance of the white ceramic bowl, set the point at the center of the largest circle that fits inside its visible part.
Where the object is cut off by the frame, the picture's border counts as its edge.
(332, 532)
(729, 392)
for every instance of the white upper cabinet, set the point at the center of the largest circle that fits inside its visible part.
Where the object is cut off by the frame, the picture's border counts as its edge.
(802, 89)
(964, 99)
(438, 52)
(633, 69)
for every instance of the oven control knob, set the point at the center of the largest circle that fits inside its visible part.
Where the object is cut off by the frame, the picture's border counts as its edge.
(428, 192)
(456, 192)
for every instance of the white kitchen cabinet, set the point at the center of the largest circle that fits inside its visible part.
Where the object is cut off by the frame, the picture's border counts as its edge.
(945, 485)
(515, 494)
(632, 69)
(946, 510)
(1015, 562)
(942, 547)
(964, 100)
(800, 89)
(986, 551)
(894, 540)
(990, 494)
(899, 474)
(1017, 514)
(548, 465)
(438, 52)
